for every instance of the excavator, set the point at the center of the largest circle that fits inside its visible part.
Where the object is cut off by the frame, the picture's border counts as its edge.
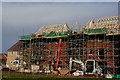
(77, 72)
(90, 68)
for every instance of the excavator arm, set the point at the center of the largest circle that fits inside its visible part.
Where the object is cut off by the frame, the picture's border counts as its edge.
(77, 61)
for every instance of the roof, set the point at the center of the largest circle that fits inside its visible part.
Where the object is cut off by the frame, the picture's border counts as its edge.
(107, 25)
(16, 46)
(53, 28)
(3, 56)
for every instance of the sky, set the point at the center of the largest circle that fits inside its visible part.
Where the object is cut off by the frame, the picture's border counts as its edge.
(60, 0)
(20, 18)
(0, 27)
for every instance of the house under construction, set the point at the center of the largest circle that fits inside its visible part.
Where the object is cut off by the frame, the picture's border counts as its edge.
(53, 46)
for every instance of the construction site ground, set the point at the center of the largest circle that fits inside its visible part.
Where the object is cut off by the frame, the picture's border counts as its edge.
(11, 75)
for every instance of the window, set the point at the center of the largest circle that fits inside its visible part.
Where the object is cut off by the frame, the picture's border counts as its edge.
(11, 53)
(18, 53)
(50, 52)
(90, 51)
(101, 53)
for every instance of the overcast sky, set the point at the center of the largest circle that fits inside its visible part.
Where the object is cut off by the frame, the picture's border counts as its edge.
(32, 16)
(60, 0)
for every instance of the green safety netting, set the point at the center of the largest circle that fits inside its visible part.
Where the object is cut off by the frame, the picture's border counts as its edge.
(27, 36)
(57, 34)
(99, 30)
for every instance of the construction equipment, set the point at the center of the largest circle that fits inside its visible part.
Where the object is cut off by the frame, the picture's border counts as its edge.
(77, 72)
(90, 68)
(61, 72)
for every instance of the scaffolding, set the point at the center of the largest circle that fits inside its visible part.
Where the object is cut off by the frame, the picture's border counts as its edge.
(53, 45)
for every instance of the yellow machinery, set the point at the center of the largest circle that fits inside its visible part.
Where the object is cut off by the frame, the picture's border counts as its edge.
(61, 72)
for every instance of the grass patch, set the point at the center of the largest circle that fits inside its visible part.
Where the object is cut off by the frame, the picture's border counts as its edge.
(13, 76)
